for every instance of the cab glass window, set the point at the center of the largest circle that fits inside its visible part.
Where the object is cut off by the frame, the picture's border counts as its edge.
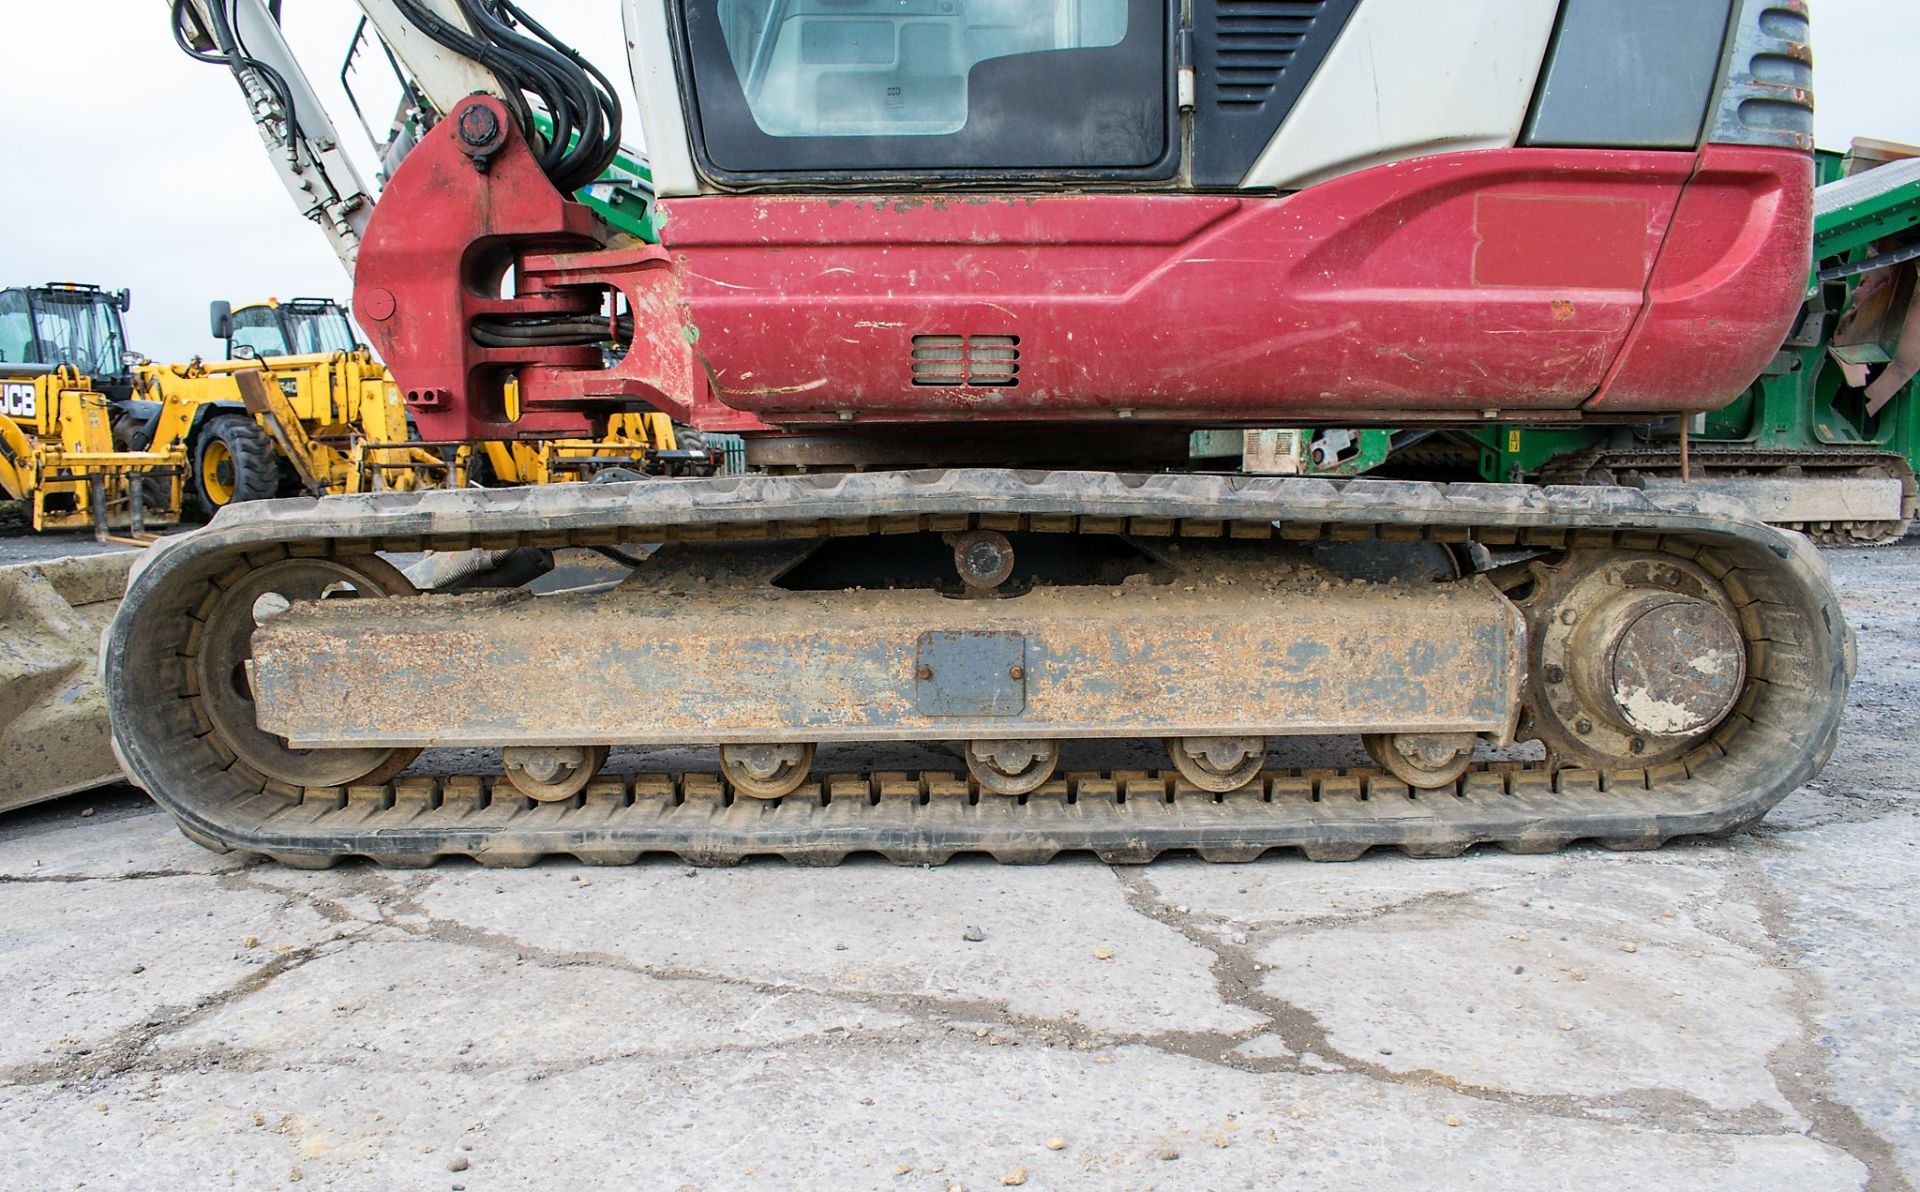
(16, 328)
(893, 68)
(258, 327)
(951, 86)
(80, 328)
(319, 332)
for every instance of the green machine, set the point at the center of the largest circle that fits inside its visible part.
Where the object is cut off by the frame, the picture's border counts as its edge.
(622, 194)
(1825, 441)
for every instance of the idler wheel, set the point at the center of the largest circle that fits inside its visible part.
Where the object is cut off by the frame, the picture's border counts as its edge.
(1424, 761)
(1012, 767)
(226, 687)
(766, 771)
(1218, 764)
(552, 773)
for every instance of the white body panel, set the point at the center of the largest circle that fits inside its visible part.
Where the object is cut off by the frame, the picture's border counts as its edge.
(1408, 78)
(656, 86)
(318, 175)
(443, 76)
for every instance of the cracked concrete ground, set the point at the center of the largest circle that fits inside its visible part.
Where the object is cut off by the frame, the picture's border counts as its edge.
(1713, 1015)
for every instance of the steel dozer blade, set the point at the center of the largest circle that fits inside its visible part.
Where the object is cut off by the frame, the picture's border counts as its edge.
(54, 738)
(275, 677)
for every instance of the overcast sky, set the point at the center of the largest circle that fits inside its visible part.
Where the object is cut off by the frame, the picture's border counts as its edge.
(131, 166)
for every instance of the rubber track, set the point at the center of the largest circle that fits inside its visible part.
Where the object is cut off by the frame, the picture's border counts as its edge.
(1782, 732)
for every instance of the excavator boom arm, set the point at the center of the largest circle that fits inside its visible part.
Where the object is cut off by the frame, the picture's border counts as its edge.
(300, 138)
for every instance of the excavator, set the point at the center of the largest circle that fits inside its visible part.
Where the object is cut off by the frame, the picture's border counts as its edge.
(968, 275)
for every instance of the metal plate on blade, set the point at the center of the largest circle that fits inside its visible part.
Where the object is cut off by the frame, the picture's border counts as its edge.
(977, 673)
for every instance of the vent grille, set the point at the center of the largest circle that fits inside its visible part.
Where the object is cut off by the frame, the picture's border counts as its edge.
(1251, 60)
(1257, 43)
(966, 359)
(1768, 97)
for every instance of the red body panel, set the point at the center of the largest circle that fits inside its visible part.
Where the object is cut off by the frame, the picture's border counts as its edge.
(1510, 281)
(1452, 285)
(1730, 282)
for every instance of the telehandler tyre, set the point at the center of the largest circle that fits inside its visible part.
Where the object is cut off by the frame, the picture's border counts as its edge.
(233, 460)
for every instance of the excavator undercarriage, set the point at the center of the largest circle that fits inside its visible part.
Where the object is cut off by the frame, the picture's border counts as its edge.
(1685, 668)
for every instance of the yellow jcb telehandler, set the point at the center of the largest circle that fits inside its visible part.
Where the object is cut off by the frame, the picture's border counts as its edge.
(297, 406)
(62, 380)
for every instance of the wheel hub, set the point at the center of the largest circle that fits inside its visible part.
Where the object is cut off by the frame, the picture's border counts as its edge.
(1659, 664)
(984, 559)
(1636, 658)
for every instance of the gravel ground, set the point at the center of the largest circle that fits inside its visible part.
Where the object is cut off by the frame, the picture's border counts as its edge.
(37, 548)
(1722, 1015)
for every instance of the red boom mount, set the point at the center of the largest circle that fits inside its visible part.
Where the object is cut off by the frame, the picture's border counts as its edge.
(469, 208)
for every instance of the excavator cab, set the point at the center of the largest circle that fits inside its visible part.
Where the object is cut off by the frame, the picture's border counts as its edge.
(844, 91)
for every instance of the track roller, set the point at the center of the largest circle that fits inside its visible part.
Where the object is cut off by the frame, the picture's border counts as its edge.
(552, 773)
(1424, 761)
(766, 771)
(1218, 764)
(1013, 767)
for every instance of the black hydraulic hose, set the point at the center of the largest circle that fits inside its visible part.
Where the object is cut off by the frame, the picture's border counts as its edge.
(463, 43)
(559, 88)
(575, 95)
(181, 39)
(274, 78)
(500, 61)
(597, 148)
(233, 54)
(569, 331)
